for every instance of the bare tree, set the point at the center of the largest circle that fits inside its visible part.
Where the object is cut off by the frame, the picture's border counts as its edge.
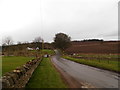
(38, 44)
(3, 44)
(19, 42)
(7, 41)
(37, 39)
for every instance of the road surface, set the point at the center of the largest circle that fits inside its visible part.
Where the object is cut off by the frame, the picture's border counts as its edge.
(84, 74)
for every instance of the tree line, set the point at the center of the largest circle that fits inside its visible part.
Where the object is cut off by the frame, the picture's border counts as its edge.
(61, 41)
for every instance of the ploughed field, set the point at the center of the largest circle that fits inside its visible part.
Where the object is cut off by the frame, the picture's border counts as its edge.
(95, 47)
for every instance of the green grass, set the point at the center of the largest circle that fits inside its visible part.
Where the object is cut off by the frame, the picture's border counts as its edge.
(48, 51)
(46, 76)
(45, 51)
(0, 66)
(112, 65)
(11, 62)
(100, 55)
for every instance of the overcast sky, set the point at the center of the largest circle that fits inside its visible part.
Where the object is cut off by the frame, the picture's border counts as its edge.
(23, 20)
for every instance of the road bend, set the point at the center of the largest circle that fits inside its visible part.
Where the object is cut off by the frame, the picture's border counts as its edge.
(86, 75)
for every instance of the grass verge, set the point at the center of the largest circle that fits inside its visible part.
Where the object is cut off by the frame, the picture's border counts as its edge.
(112, 66)
(46, 76)
(11, 62)
(100, 55)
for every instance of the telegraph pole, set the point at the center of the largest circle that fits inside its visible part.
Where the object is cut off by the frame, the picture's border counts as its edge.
(42, 46)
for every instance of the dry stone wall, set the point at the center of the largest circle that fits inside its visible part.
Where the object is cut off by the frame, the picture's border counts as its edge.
(19, 77)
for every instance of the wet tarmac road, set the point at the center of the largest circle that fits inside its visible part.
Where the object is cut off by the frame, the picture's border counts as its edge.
(86, 74)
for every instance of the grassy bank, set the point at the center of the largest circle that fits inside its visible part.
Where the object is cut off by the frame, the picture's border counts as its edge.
(46, 76)
(99, 55)
(11, 62)
(113, 65)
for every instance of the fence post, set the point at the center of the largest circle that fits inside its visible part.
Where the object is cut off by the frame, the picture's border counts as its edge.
(108, 61)
(99, 60)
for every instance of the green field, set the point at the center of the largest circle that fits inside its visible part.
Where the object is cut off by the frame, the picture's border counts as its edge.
(112, 65)
(45, 51)
(48, 51)
(99, 55)
(46, 76)
(11, 62)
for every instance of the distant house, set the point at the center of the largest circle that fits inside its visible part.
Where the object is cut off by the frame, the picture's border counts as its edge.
(28, 48)
(37, 48)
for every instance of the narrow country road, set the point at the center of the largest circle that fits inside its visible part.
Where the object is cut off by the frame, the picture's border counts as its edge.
(85, 74)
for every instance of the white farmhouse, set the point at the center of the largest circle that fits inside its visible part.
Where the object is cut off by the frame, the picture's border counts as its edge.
(37, 48)
(28, 48)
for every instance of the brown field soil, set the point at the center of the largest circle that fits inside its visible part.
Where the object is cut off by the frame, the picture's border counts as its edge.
(94, 47)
